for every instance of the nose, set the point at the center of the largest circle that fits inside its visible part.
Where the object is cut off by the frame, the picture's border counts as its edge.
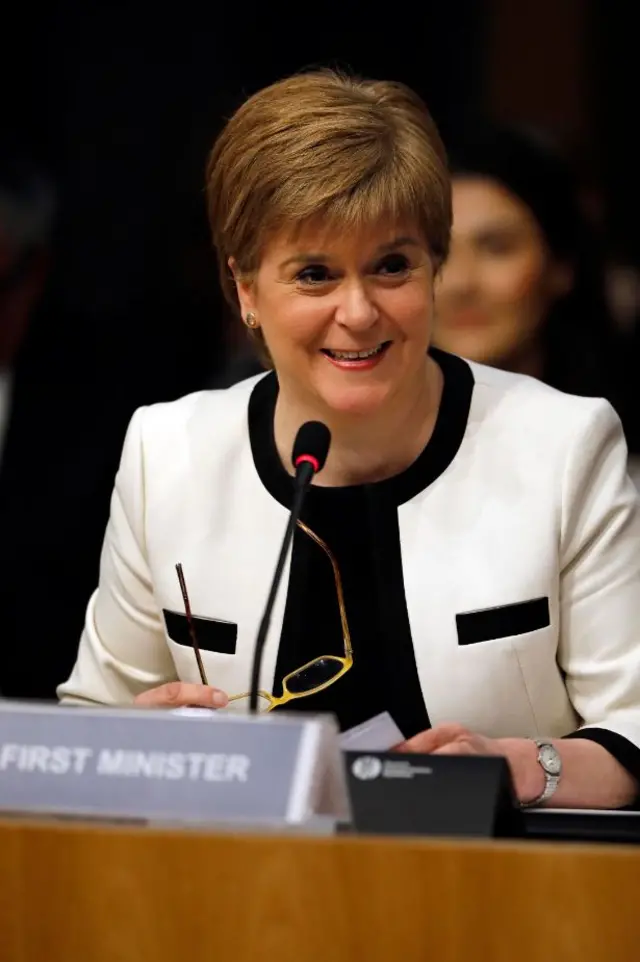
(458, 279)
(356, 310)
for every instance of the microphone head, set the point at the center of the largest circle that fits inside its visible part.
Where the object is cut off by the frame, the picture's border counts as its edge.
(311, 445)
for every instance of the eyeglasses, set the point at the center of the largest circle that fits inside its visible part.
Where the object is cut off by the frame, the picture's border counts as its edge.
(310, 678)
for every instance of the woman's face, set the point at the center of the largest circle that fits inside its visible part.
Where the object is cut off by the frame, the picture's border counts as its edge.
(347, 319)
(499, 281)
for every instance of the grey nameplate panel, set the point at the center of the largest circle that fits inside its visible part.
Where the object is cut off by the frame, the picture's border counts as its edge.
(150, 765)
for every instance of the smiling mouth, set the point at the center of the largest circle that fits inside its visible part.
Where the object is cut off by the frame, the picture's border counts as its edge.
(356, 355)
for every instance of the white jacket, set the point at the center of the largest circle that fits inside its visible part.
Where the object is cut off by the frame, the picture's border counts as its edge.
(536, 504)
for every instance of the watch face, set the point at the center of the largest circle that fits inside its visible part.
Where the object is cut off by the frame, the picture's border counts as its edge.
(550, 760)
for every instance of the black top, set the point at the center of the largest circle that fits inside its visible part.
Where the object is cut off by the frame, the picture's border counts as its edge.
(359, 523)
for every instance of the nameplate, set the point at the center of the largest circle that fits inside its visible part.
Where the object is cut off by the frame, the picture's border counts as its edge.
(150, 765)
(404, 794)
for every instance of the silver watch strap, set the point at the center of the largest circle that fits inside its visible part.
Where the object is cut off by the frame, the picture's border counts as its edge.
(550, 781)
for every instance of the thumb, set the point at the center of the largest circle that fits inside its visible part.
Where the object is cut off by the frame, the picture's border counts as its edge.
(178, 694)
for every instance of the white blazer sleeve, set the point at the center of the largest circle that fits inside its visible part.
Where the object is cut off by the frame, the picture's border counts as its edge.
(123, 650)
(600, 579)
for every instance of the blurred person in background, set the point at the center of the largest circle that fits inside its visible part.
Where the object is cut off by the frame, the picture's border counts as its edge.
(523, 287)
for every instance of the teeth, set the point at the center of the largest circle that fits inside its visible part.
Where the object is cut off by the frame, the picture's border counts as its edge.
(356, 355)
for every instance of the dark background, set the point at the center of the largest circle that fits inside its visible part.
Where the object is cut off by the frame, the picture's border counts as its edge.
(123, 100)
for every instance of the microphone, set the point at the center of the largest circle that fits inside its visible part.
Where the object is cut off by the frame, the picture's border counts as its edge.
(310, 450)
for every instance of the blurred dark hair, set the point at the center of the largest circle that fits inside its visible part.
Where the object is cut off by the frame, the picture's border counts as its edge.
(581, 345)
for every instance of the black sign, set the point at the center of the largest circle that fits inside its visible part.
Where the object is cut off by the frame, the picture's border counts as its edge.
(398, 794)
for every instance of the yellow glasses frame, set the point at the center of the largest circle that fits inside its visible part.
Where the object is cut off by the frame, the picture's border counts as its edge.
(345, 662)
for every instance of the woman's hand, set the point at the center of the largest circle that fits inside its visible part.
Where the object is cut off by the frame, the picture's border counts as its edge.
(591, 776)
(180, 694)
(452, 739)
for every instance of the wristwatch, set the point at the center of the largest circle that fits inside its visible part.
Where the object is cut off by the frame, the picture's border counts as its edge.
(551, 763)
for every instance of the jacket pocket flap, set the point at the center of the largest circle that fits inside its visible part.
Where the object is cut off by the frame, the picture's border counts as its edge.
(211, 634)
(488, 624)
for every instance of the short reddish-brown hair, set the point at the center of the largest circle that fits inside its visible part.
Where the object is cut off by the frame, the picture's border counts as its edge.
(330, 148)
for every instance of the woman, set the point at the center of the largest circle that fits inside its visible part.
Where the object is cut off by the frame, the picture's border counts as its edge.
(484, 534)
(523, 288)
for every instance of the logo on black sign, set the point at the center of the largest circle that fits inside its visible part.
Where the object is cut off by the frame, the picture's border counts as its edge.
(366, 768)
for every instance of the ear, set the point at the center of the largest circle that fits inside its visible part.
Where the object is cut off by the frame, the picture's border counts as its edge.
(245, 288)
(561, 279)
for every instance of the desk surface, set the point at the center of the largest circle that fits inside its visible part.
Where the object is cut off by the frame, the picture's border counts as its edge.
(111, 894)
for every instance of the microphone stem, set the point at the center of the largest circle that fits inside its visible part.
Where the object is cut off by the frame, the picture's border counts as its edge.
(302, 481)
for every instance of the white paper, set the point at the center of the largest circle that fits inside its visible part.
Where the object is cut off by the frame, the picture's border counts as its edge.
(378, 734)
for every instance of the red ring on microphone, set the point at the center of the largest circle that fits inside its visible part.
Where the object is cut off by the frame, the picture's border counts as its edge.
(315, 464)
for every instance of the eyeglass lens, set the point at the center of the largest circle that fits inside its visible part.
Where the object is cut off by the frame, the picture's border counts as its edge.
(319, 672)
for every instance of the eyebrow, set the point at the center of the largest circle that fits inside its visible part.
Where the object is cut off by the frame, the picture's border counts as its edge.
(311, 257)
(498, 226)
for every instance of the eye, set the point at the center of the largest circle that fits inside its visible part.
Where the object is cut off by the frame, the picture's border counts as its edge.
(314, 274)
(393, 265)
(497, 245)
